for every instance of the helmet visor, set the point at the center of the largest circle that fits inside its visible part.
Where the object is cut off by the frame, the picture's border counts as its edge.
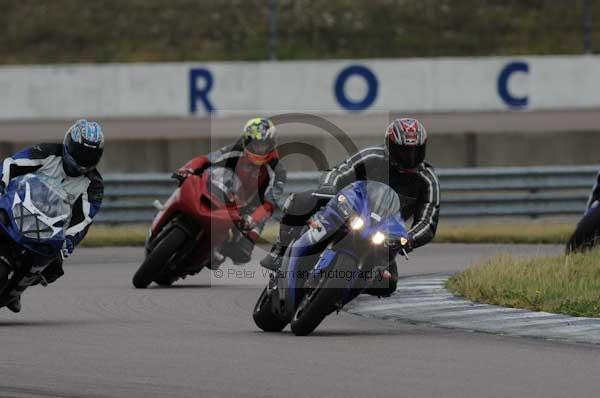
(261, 147)
(85, 157)
(407, 157)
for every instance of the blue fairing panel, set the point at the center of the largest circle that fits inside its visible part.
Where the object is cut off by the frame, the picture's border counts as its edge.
(325, 261)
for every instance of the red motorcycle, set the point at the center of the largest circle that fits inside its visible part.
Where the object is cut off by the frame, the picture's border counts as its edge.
(197, 220)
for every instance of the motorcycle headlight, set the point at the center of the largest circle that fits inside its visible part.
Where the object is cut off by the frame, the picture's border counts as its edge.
(357, 223)
(378, 238)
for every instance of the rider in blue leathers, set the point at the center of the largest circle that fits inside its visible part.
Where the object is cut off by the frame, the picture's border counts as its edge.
(74, 163)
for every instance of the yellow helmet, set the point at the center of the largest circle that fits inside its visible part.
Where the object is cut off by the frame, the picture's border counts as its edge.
(258, 140)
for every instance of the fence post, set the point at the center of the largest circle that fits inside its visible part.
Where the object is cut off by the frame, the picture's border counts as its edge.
(273, 16)
(587, 26)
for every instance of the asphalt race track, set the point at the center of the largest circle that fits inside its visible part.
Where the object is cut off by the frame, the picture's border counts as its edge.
(93, 335)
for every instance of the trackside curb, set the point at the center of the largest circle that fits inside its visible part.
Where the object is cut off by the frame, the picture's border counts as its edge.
(424, 299)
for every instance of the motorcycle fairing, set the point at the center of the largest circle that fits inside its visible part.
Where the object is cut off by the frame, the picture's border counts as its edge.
(378, 206)
(13, 199)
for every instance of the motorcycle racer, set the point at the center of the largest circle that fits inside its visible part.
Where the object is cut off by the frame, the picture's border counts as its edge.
(74, 163)
(254, 158)
(587, 231)
(400, 164)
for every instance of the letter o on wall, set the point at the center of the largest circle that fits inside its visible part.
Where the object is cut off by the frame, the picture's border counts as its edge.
(503, 78)
(340, 88)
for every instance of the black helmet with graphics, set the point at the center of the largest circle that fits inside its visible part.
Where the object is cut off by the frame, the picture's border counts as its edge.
(405, 143)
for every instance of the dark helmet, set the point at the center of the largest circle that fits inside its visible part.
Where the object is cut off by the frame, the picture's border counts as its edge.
(258, 140)
(82, 147)
(405, 143)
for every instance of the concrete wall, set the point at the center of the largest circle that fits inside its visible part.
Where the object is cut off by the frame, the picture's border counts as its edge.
(497, 111)
(336, 87)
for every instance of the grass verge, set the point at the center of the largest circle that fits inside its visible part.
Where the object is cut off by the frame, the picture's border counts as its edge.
(563, 284)
(473, 233)
(557, 233)
(100, 236)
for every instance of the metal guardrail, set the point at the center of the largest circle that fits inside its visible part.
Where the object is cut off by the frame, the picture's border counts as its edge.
(473, 192)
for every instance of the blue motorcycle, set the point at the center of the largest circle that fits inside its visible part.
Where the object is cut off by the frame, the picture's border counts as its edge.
(35, 211)
(353, 238)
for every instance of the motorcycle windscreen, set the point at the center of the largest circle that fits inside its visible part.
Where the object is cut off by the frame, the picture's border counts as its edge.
(385, 207)
(382, 199)
(224, 184)
(41, 207)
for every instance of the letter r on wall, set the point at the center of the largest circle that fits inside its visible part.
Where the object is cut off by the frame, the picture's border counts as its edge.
(200, 92)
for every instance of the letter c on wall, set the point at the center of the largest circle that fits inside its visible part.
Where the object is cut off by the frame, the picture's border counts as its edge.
(505, 75)
(340, 88)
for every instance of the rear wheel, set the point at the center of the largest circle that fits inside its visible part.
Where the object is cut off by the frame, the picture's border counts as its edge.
(325, 298)
(263, 315)
(158, 257)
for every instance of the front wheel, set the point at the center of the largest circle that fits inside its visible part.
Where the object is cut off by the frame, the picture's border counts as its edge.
(325, 298)
(158, 257)
(4, 273)
(263, 314)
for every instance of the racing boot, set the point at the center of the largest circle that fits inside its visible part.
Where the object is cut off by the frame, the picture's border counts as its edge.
(287, 233)
(15, 304)
(32, 279)
(274, 259)
(216, 259)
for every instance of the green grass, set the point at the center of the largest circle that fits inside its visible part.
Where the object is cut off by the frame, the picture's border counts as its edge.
(564, 284)
(100, 236)
(75, 31)
(518, 233)
(556, 233)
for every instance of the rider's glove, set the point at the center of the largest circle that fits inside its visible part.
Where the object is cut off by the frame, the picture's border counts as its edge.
(68, 247)
(182, 173)
(408, 244)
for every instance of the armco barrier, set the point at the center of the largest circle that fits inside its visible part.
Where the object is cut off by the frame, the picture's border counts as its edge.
(474, 192)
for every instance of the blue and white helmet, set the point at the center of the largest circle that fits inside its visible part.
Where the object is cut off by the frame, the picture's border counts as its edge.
(82, 147)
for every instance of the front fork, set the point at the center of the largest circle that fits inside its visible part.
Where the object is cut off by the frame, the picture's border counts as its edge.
(283, 305)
